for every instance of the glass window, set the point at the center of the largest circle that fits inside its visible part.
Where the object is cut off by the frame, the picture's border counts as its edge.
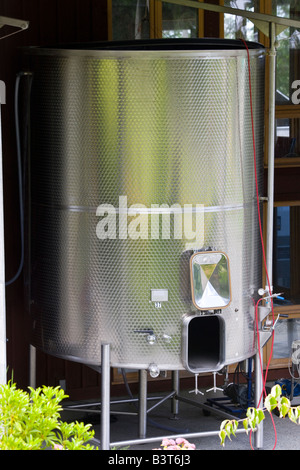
(286, 332)
(287, 143)
(288, 58)
(286, 260)
(130, 20)
(179, 21)
(236, 27)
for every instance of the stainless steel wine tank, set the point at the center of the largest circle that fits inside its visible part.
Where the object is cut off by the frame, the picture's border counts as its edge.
(142, 214)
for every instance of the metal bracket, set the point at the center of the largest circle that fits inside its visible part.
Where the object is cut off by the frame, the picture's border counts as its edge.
(5, 21)
(2, 92)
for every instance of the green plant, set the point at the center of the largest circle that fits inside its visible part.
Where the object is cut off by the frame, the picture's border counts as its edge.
(31, 421)
(255, 416)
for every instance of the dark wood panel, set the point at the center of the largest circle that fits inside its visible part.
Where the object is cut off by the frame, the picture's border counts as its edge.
(67, 21)
(51, 22)
(212, 22)
(287, 184)
(48, 33)
(99, 20)
(84, 20)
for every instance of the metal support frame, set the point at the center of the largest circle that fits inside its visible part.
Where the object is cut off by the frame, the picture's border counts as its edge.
(143, 404)
(259, 385)
(176, 398)
(175, 387)
(32, 366)
(105, 405)
(16, 23)
(105, 443)
(105, 392)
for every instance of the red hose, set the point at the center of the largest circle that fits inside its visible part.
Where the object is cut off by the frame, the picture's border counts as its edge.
(264, 256)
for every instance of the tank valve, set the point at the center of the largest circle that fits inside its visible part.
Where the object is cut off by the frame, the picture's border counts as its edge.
(153, 371)
(166, 338)
(151, 339)
(150, 336)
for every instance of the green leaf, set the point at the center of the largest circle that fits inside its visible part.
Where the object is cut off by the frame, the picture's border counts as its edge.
(245, 424)
(260, 416)
(251, 417)
(284, 406)
(255, 416)
(223, 424)
(227, 429)
(18, 427)
(276, 391)
(222, 435)
(293, 414)
(270, 402)
(234, 427)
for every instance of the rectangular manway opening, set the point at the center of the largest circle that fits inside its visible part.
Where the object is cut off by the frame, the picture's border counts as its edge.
(205, 343)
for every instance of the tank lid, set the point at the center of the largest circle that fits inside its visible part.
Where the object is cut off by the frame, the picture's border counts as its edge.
(163, 45)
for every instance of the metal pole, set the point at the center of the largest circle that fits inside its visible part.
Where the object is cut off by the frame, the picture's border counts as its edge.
(149, 440)
(32, 366)
(175, 385)
(142, 403)
(270, 218)
(271, 152)
(105, 397)
(258, 437)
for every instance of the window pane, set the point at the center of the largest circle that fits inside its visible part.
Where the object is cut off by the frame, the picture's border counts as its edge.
(288, 57)
(286, 332)
(179, 21)
(286, 262)
(236, 27)
(287, 139)
(130, 20)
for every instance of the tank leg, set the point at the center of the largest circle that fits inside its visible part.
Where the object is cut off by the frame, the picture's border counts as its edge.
(32, 366)
(258, 435)
(175, 385)
(142, 403)
(105, 397)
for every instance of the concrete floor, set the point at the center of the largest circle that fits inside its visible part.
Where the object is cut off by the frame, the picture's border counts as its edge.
(191, 419)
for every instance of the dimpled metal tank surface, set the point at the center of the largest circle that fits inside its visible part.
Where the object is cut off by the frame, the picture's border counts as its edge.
(142, 209)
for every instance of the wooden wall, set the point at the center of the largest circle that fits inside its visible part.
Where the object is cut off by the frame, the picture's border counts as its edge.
(51, 22)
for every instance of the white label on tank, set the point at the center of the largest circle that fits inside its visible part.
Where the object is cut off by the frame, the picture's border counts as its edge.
(159, 295)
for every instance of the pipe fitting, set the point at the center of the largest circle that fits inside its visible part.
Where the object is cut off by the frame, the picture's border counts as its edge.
(153, 371)
(151, 339)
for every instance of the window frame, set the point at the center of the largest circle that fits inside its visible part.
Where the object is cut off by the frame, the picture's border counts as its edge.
(155, 13)
(287, 309)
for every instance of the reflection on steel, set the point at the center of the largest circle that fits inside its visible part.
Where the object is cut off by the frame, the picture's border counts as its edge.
(210, 280)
